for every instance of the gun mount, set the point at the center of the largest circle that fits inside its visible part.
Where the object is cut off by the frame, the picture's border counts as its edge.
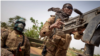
(88, 21)
(80, 21)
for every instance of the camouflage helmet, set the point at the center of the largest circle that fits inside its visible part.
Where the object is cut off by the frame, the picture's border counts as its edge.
(19, 25)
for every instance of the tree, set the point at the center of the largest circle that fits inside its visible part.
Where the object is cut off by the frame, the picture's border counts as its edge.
(34, 31)
(12, 20)
(0, 22)
(3, 24)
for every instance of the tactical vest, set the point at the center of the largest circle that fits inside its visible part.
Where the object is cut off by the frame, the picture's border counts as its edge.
(5, 52)
(63, 43)
(13, 41)
(57, 46)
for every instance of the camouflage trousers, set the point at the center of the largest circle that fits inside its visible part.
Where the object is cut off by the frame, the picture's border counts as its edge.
(58, 45)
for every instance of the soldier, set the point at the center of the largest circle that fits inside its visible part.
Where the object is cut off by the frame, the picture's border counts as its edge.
(15, 41)
(58, 41)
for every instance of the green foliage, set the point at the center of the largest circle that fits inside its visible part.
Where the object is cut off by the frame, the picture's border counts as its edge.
(0, 22)
(74, 48)
(96, 55)
(71, 52)
(34, 31)
(3, 24)
(12, 20)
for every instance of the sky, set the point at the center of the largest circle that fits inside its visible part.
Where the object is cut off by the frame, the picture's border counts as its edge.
(38, 10)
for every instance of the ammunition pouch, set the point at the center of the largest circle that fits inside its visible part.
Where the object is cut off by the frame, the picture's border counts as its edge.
(58, 40)
(52, 45)
(51, 48)
(60, 33)
(62, 42)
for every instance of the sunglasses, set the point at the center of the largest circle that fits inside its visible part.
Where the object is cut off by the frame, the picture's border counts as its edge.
(69, 7)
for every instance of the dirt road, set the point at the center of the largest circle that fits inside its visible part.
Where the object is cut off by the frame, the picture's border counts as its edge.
(35, 50)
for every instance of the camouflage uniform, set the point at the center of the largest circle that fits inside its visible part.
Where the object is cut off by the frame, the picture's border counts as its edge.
(12, 40)
(59, 43)
(15, 41)
(3, 35)
(5, 52)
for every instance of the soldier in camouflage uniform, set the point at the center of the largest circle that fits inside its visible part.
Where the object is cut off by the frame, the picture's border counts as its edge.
(11, 40)
(58, 41)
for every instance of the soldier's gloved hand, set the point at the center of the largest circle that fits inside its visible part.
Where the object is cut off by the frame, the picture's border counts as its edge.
(50, 9)
(57, 24)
